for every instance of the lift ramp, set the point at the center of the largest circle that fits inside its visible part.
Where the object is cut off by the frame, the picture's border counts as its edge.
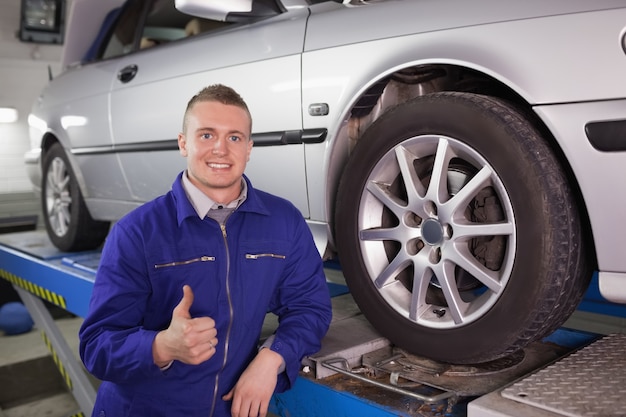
(356, 361)
(590, 382)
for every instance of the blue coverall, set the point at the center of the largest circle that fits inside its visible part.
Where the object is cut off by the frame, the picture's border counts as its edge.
(264, 259)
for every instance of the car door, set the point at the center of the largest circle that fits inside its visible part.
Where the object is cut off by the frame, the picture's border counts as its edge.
(77, 105)
(260, 60)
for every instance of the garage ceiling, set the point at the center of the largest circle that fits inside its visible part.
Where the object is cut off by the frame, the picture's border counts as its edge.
(10, 45)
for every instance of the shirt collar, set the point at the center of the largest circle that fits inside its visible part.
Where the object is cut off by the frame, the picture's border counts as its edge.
(203, 203)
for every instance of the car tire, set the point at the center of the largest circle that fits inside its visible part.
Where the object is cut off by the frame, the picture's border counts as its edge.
(69, 225)
(457, 232)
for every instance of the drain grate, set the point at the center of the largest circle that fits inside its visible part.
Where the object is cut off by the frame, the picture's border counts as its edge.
(590, 382)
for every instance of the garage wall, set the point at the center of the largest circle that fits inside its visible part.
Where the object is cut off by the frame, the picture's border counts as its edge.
(23, 73)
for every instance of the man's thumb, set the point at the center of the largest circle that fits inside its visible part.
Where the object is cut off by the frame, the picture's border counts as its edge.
(182, 309)
(228, 396)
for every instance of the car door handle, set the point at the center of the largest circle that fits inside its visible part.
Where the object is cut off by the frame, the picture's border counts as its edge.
(127, 73)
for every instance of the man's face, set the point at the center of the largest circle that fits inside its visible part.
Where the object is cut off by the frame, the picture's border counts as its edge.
(217, 146)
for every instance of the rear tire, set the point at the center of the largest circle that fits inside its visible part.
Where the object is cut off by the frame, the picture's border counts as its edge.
(69, 225)
(458, 234)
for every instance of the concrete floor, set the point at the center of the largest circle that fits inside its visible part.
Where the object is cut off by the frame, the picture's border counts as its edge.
(45, 394)
(27, 365)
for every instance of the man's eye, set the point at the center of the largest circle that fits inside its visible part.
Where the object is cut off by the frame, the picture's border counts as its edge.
(235, 138)
(206, 136)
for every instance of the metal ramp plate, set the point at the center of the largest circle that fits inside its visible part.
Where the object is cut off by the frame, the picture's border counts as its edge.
(589, 382)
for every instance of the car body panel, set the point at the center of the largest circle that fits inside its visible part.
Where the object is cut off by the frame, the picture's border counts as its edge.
(72, 116)
(513, 62)
(159, 87)
(502, 50)
(611, 286)
(331, 53)
(358, 24)
(600, 174)
(168, 88)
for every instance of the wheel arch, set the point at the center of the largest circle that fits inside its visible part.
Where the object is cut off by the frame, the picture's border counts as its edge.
(405, 83)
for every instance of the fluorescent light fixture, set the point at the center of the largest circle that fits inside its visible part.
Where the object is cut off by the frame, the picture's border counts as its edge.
(42, 21)
(8, 115)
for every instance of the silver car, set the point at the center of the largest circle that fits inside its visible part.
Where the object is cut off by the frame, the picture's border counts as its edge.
(465, 161)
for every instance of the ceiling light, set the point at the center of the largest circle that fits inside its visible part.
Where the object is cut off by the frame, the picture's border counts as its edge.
(8, 115)
(42, 21)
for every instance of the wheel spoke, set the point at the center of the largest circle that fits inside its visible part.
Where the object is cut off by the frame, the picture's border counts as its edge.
(63, 185)
(387, 276)
(379, 234)
(422, 276)
(64, 216)
(465, 260)
(447, 279)
(58, 174)
(461, 199)
(467, 231)
(61, 221)
(437, 189)
(414, 189)
(382, 193)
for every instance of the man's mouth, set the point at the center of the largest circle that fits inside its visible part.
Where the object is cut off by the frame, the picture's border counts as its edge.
(218, 166)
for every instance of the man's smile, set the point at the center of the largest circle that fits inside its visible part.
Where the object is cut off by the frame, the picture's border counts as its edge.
(216, 165)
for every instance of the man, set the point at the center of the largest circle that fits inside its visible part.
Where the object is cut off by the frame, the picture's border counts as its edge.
(185, 281)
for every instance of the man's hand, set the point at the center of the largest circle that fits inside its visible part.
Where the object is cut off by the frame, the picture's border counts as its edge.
(189, 340)
(252, 393)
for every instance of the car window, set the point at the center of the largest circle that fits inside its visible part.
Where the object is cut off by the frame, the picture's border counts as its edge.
(122, 35)
(137, 29)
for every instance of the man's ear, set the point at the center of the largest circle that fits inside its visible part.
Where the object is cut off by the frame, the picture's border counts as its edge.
(250, 145)
(182, 144)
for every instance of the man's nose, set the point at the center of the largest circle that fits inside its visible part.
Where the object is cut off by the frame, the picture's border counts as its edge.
(219, 146)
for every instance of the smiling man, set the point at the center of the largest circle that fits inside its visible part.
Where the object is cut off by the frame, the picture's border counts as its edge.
(185, 282)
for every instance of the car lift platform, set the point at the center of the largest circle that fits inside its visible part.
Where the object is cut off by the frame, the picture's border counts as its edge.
(357, 372)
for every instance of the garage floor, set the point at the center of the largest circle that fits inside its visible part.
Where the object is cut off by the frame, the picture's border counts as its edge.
(35, 388)
(32, 385)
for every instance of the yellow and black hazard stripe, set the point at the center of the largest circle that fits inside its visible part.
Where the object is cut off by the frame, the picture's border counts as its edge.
(57, 361)
(39, 291)
(60, 367)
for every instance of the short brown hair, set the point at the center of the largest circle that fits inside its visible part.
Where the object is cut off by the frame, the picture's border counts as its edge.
(220, 93)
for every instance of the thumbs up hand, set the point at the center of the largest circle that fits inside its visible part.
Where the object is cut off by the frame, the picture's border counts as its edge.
(189, 340)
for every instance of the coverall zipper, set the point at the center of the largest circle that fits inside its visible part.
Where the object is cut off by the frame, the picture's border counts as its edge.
(264, 255)
(190, 261)
(230, 323)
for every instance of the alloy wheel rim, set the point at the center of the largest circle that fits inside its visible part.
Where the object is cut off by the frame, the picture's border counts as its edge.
(58, 197)
(426, 261)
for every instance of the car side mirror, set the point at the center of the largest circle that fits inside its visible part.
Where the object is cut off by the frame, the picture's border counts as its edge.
(213, 9)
